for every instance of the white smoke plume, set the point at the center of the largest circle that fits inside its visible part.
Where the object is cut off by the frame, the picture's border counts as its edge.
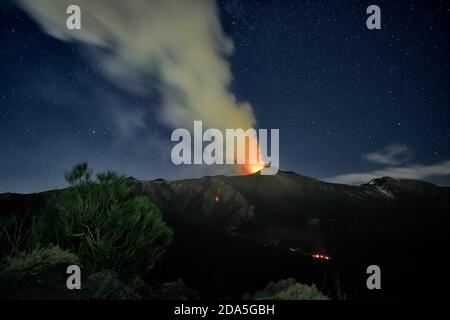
(178, 44)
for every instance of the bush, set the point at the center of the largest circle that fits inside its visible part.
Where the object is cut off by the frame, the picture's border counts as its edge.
(104, 223)
(176, 290)
(40, 269)
(288, 289)
(14, 234)
(106, 285)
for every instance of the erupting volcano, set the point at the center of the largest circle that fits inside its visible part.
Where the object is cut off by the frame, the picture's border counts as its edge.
(253, 159)
(251, 168)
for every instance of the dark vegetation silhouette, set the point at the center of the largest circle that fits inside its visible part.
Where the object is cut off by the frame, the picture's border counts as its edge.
(116, 236)
(98, 223)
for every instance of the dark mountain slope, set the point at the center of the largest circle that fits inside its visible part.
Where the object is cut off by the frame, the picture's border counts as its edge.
(234, 234)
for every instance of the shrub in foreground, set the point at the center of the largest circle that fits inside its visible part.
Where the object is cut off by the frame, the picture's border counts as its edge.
(39, 274)
(107, 285)
(104, 223)
(176, 290)
(288, 289)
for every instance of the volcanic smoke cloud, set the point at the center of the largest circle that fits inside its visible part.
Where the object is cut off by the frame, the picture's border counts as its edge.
(178, 44)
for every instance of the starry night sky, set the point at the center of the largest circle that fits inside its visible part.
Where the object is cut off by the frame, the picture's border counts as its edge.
(346, 99)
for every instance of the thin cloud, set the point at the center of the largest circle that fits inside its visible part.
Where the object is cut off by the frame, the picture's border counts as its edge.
(392, 155)
(416, 172)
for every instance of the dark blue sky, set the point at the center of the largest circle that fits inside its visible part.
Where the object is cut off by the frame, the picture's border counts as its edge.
(347, 100)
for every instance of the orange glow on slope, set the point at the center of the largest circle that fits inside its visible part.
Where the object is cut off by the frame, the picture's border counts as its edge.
(321, 257)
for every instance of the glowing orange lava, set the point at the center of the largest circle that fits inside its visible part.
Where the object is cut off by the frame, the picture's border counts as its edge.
(321, 257)
(250, 168)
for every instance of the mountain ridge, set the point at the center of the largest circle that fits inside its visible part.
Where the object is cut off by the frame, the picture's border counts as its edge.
(254, 229)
